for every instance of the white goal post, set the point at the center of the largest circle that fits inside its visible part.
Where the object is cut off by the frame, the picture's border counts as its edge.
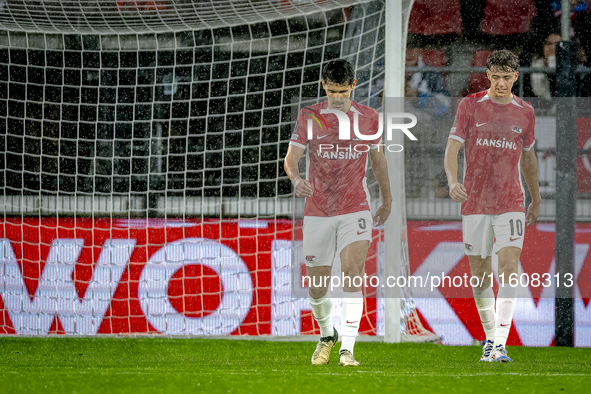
(398, 302)
(397, 12)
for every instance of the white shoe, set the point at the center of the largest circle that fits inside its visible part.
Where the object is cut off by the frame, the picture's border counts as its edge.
(487, 350)
(321, 355)
(500, 355)
(346, 359)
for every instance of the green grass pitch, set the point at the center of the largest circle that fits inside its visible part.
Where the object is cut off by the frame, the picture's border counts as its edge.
(155, 365)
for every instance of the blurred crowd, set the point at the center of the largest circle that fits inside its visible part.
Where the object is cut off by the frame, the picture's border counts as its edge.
(460, 34)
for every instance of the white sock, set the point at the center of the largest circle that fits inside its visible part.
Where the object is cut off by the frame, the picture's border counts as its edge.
(322, 310)
(350, 319)
(506, 301)
(485, 303)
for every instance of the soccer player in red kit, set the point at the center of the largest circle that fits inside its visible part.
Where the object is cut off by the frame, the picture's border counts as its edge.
(337, 217)
(497, 130)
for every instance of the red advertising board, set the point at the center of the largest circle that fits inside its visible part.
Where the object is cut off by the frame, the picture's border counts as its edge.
(212, 277)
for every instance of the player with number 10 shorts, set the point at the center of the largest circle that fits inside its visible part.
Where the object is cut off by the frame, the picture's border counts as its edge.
(497, 131)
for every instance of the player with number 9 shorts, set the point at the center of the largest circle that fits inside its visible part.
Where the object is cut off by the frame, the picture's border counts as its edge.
(337, 218)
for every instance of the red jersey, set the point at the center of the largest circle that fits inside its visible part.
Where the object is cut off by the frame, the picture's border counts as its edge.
(494, 135)
(336, 168)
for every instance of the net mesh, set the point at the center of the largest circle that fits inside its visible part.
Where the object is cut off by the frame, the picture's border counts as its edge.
(129, 128)
(150, 16)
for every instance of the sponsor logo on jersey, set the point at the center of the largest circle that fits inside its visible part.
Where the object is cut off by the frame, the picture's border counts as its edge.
(340, 155)
(496, 143)
(516, 129)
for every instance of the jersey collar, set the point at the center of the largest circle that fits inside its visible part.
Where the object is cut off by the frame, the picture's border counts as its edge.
(513, 101)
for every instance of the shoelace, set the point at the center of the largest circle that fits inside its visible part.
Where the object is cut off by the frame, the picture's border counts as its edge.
(321, 345)
(501, 350)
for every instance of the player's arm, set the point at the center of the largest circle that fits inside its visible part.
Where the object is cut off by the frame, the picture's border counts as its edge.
(380, 170)
(457, 191)
(302, 187)
(529, 167)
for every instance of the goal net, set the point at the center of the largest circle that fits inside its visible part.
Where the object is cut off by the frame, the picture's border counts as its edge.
(141, 166)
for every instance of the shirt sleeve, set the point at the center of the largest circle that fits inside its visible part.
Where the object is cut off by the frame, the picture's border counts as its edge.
(299, 136)
(529, 138)
(459, 130)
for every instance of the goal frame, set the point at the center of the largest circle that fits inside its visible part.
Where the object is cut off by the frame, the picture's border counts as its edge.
(397, 14)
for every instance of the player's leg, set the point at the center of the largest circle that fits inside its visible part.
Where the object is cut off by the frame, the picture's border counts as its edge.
(354, 237)
(320, 301)
(352, 263)
(506, 301)
(478, 243)
(319, 249)
(484, 298)
(321, 305)
(509, 231)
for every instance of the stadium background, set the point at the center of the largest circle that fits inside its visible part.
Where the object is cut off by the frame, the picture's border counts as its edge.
(156, 136)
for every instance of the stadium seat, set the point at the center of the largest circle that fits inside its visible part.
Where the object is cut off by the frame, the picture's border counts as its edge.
(502, 17)
(478, 81)
(434, 58)
(429, 17)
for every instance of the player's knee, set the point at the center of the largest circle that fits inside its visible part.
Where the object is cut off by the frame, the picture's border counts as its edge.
(317, 292)
(352, 279)
(507, 267)
(508, 260)
(353, 272)
(484, 282)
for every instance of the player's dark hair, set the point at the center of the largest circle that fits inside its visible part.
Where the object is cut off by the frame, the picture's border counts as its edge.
(502, 61)
(338, 71)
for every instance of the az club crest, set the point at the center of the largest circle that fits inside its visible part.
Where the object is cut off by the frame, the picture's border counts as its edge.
(468, 247)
